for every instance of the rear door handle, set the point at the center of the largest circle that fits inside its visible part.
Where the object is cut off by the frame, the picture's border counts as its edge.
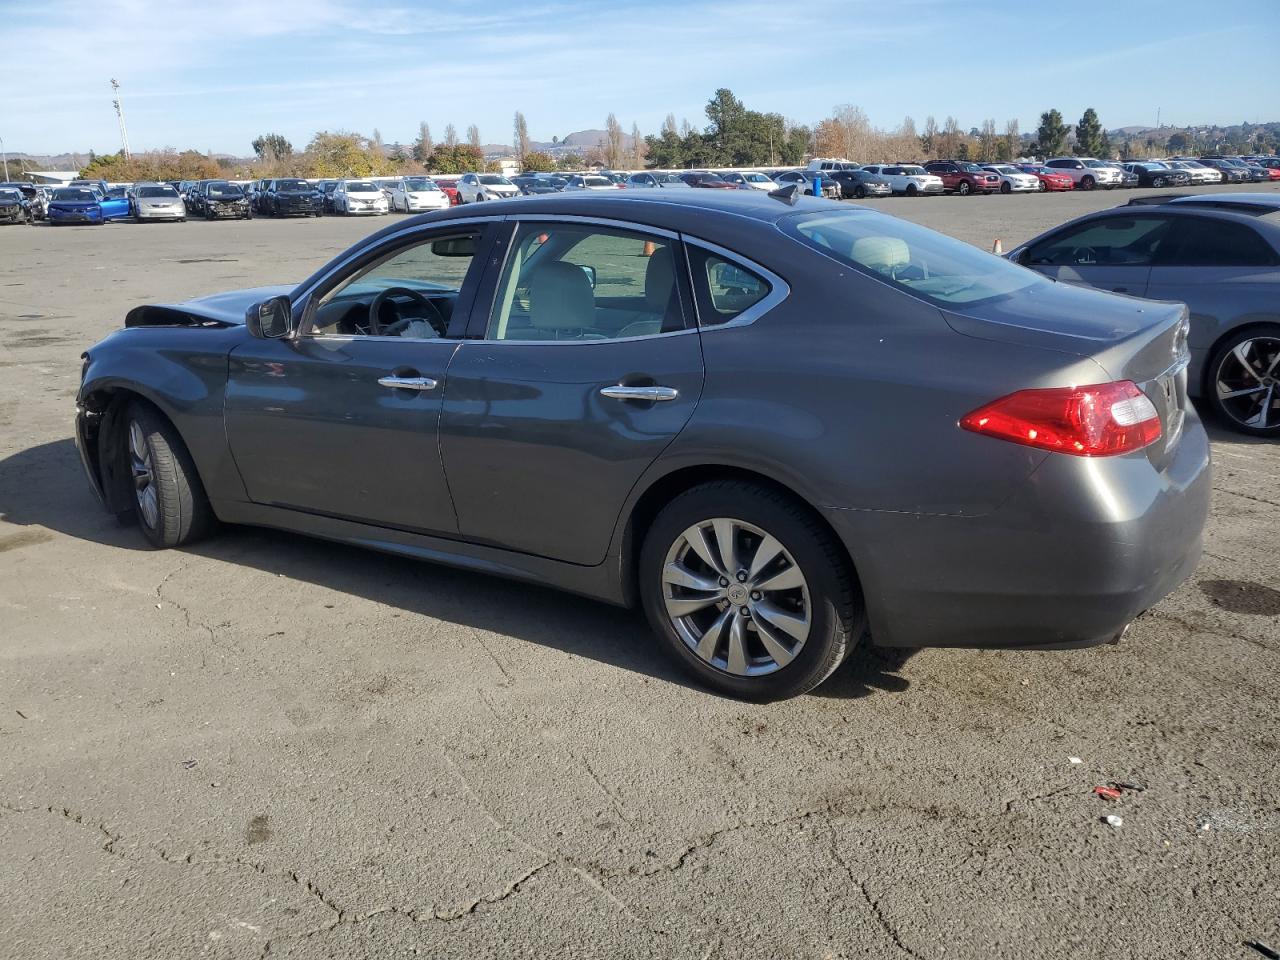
(647, 394)
(407, 383)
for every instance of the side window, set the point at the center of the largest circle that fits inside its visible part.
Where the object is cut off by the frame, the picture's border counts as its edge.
(577, 282)
(1217, 243)
(1112, 242)
(723, 288)
(411, 292)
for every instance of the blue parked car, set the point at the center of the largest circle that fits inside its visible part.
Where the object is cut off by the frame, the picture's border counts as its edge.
(75, 205)
(114, 200)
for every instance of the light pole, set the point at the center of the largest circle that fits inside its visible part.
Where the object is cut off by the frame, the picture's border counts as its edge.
(124, 133)
(5, 156)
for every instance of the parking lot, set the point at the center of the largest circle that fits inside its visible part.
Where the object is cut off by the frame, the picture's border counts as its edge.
(271, 746)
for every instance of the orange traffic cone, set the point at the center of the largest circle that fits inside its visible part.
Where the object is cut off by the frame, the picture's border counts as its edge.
(650, 248)
(996, 248)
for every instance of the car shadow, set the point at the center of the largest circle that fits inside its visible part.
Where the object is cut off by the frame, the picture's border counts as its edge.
(45, 485)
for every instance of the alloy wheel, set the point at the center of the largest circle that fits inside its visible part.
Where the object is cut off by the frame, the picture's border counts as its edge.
(1248, 383)
(144, 481)
(736, 597)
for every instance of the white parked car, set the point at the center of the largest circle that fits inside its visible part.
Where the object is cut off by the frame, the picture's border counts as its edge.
(908, 179)
(157, 201)
(818, 164)
(1088, 172)
(1013, 180)
(474, 187)
(751, 179)
(416, 194)
(589, 181)
(1199, 172)
(353, 197)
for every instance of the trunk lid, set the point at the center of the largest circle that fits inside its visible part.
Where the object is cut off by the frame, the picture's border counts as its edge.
(1130, 339)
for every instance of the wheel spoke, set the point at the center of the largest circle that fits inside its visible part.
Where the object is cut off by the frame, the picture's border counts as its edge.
(797, 625)
(775, 647)
(726, 537)
(681, 576)
(683, 606)
(711, 639)
(1239, 351)
(1231, 394)
(737, 645)
(137, 442)
(766, 553)
(696, 537)
(1263, 417)
(787, 579)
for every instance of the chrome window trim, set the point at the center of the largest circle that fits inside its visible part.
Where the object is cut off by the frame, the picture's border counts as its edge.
(778, 292)
(586, 343)
(629, 225)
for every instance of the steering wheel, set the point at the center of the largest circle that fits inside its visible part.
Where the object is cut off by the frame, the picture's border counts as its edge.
(376, 327)
(1083, 255)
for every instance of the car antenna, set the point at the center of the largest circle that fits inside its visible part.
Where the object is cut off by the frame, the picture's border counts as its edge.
(790, 194)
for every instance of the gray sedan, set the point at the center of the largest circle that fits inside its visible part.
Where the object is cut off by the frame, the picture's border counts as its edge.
(156, 201)
(769, 421)
(1217, 253)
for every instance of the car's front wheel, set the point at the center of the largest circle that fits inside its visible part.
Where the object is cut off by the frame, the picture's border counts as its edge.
(963, 188)
(1244, 387)
(168, 498)
(1087, 183)
(1005, 187)
(912, 190)
(749, 591)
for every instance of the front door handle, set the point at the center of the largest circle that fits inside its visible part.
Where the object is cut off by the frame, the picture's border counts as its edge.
(407, 383)
(647, 394)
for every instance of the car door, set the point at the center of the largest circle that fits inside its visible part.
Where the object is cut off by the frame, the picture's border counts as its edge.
(1113, 252)
(584, 368)
(342, 420)
(1223, 270)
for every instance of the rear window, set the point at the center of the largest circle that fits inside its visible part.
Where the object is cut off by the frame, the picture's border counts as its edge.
(1217, 243)
(945, 272)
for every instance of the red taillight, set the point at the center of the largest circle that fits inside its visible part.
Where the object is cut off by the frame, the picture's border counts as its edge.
(1100, 420)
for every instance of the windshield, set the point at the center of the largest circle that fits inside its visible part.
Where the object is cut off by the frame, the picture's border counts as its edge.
(946, 272)
(420, 184)
(224, 190)
(361, 186)
(493, 180)
(915, 171)
(1095, 163)
(80, 194)
(1003, 168)
(755, 178)
(158, 192)
(597, 181)
(292, 186)
(969, 167)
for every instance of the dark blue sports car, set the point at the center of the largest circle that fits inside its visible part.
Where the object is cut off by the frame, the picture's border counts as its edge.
(76, 205)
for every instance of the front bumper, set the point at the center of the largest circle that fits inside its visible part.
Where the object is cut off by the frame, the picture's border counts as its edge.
(226, 211)
(303, 208)
(12, 215)
(1024, 187)
(75, 216)
(175, 212)
(88, 455)
(1083, 548)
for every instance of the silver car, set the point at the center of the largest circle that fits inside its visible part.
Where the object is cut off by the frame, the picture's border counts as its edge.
(656, 179)
(1087, 172)
(1218, 254)
(157, 201)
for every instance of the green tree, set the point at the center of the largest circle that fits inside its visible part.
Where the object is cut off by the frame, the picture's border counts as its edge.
(343, 155)
(272, 146)
(796, 145)
(1179, 143)
(1051, 135)
(1089, 135)
(422, 147)
(535, 161)
(666, 149)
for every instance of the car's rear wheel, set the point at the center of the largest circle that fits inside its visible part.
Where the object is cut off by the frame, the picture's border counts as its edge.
(1158, 182)
(168, 498)
(964, 189)
(1244, 385)
(1087, 183)
(748, 591)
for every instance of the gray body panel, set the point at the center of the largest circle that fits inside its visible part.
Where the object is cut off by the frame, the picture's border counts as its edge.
(847, 393)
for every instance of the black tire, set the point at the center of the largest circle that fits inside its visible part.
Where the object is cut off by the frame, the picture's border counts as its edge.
(859, 192)
(1158, 182)
(837, 619)
(1214, 373)
(1005, 187)
(182, 512)
(964, 189)
(912, 190)
(1088, 183)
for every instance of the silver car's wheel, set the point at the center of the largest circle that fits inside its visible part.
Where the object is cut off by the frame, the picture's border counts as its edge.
(1246, 382)
(736, 597)
(144, 480)
(749, 590)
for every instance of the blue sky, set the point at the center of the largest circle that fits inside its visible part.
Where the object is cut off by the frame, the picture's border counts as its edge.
(212, 75)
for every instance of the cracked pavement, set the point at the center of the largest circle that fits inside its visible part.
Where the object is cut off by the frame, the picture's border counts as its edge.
(266, 746)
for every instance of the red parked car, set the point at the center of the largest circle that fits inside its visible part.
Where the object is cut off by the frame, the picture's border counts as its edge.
(450, 188)
(1051, 179)
(963, 177)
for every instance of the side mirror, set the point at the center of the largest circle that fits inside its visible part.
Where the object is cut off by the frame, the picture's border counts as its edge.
(1023, 257)
(590, 271)
(271, 320)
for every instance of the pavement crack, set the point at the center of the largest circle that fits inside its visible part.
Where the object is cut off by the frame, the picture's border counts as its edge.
(449, 916)
(1008, 804)
(885, 923)
(71, 816)
(508, 679)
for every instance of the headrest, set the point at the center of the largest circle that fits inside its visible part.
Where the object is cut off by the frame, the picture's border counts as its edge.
(560, 298)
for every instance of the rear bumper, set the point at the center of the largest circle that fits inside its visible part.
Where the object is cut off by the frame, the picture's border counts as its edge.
(1070, 560)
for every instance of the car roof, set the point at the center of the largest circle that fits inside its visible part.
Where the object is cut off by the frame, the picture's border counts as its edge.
(1255, 204)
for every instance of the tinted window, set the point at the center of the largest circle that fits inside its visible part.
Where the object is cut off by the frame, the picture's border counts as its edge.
(1113, 241)
(723, 288)
(1216, 243)
(572, 282)
(926, 264)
